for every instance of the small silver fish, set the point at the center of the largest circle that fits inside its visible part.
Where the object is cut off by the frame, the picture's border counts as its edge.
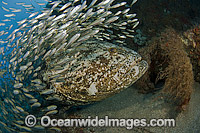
(34, 75)
(10, 26)
(110, 20)
(133, 2)
(74, 38)
(52, 112)
(59, 17)
(26, 5)
(92, 3)
(26, 54)
(41, 4)
(36, 81)
(29, 95)
(19, 122)
(23, 68)
(5, 9)
(17, 10)
(16, 92)
(18, 85)
(3, 124)
(41, 15)
(51, 107)
(55, 129)
(21, 3)
(48, 91)
(135, 25)
(6, 20)
(23, 127)
(2, 24)
(20, 109)
(9, 15)
(36, 105)
(4, 3)
(39, 127)
(33, 14)
(65, 6)
(37, 69)
(33, 100)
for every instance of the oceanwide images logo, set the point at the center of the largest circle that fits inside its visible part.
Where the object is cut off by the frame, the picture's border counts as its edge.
(94, 122)
(46, 121)
(30, 120)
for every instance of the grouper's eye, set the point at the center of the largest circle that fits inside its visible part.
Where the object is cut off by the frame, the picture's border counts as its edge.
(112, 50)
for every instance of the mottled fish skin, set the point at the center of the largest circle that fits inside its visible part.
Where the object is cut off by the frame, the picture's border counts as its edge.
(100, 70)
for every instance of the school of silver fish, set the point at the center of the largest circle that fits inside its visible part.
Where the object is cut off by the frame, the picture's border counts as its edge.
(69, 54)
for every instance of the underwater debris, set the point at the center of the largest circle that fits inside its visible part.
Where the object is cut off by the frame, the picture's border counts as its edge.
(66, 58)
(169, 69)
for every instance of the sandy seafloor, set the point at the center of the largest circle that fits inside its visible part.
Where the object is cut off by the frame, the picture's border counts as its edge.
(131, 104)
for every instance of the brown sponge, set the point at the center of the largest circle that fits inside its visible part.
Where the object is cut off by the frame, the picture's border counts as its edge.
(169, 69)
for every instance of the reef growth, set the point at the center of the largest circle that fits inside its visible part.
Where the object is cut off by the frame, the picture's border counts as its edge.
(170, 69)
